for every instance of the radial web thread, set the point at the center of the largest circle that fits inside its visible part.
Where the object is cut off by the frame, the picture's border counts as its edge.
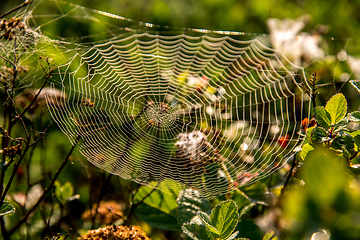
(201, 112)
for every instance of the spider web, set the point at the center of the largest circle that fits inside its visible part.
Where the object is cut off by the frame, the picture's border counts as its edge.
(197, 109)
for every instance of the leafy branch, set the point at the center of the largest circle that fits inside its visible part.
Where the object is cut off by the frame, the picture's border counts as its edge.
(311, 87)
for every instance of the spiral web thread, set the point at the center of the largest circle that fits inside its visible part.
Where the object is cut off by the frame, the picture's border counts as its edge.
(196, 110)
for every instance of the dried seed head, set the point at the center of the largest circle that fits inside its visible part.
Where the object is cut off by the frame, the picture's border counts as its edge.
(11, 27)
(116, 233)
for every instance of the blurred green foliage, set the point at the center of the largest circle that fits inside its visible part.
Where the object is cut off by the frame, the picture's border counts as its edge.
(328, 201)
(248, 16)
(325, 201)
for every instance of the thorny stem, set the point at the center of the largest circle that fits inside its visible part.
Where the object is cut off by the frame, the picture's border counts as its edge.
(313, 91)
(310, 91)
(46, 191)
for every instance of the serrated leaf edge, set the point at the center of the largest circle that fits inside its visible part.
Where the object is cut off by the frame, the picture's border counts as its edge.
(237, 213)
(336, 112)
(207, 222)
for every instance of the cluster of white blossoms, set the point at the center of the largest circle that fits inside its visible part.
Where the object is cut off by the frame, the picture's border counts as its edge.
(191, 145)
(301, 48)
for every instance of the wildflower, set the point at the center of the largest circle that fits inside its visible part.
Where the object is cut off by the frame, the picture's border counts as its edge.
(199, 83)
(301, 48)
(283, 141)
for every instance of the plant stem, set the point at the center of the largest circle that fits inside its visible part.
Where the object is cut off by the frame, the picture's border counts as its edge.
(27, 2)
(32, 102)
(287, 178)
(47, 190)
(8, 112)
(100, 197)
(133, 206)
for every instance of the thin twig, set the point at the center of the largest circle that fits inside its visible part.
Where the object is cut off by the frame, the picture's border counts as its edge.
(46, 191)
(27, 2)
(133, 206)
(68, 234)
(7, 60)
(42, 135)
(32, 102)
(100, 197)
(17, 166)
(287, 178)
(26, 131)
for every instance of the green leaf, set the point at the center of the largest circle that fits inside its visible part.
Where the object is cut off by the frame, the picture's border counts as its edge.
(341, 125)
(354, 116)
(336, 107)
(344, 142)
(159, 208)
(355, 168)
(356, 139)
(305, 150)
(308, 135)
(63, 192)
(319, 135)
(57, 190)
(357, 143)
(270, 236)
(139, 151)
(156, 218)
(355, 84)
(323, 117)
(157, 199)
(355, 133)
(324, 176)
(197, 231)
(258, 193)
(248, 229)
(6, 208)
(189, 203)
(208, 223)
(225, 218)
(233, 236)
(67, 190)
